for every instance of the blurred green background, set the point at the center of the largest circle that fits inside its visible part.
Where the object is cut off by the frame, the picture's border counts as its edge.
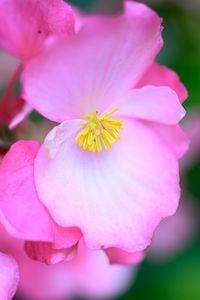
(178, 279)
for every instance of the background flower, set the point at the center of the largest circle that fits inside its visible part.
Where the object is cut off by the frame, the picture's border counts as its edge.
(89, 275)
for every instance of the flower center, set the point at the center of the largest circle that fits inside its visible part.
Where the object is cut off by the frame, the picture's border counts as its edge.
(98, 131)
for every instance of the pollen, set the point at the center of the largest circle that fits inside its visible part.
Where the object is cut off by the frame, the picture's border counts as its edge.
(99, 131)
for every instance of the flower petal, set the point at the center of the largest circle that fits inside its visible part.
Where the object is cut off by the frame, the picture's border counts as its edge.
(21, 211)
(9, 277)
(176, 233)
(118, 256)
(191, 126)
(157, 104)
(159, 75)
(121, 189)
(94, 278)
(58, 135)
(44, 252)
(29, 22)
(20, 207)
(94, 67)
(174, 136)
(19, 117)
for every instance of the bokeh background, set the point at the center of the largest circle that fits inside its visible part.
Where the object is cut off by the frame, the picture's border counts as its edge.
(177, 278)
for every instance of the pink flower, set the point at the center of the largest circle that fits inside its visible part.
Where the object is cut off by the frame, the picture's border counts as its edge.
(109, 171)
(9, 277)
(175, 233)
(29, 23)
(192, 128)
(89, 274)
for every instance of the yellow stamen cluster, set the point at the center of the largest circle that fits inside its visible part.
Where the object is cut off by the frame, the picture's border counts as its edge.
(98, 131)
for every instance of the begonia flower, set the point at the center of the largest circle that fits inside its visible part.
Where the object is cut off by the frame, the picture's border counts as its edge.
(110, 169)
(175, 233)
(192, 128)
(29, 26)
(9, 276)
(64, 280)
(29, 23)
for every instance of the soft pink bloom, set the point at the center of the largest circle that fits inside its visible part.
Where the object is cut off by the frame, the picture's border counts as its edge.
(192, 128)
(29, 23)
(9, 276)
(115, 198)
(175, 233)
(88, 275)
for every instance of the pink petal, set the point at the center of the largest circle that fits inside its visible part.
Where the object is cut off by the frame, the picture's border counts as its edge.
(26, 110)
(58, 134)
(175, 233)
(29, 22)
(122, 188)
(9, 277)
(94, 278)
(192, 128)
(159, 75)
(45, 252)
(21, 211)
(118, 256)
(174, 136)
(20, 206)
(115, 52)
(158, 104)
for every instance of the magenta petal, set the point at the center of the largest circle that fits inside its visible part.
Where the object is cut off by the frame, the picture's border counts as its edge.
(20, 208)
(19, 204)
(9, 277)
(45, 252)
(95, 66)
(118, 189)
(159, 75)
(118, 256)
